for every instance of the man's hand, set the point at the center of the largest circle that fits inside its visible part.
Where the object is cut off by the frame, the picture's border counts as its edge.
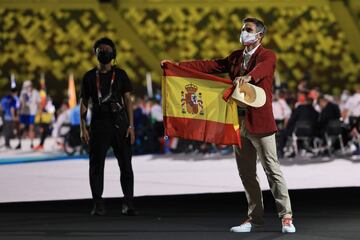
(242, 80)
(84, 134)
(167, 61)
(131, 132)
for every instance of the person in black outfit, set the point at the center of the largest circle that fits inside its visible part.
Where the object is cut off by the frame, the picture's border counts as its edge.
(305, 115)
(108, 88)
(329, 112)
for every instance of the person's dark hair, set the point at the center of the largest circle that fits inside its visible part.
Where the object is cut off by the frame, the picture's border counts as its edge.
(282, 93)
(260, 26)
(322, 97)
(106, 41)
(308, 97)
(13, 89)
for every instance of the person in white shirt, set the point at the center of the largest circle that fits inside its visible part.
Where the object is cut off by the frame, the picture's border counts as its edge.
(156, 116)
(156, 112)
(352, 105)
(343, 99)
(61, 125)
(351, 111)
(29, 105)
(281, 110)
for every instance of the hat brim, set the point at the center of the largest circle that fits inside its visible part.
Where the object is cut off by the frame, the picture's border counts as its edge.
(249, 95)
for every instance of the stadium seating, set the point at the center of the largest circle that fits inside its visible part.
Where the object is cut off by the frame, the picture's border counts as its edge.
(307, 39)
(57, 43)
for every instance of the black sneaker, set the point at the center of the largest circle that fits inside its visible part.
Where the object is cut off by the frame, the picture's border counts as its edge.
(98, 209)
(128, 211)
(18, 146)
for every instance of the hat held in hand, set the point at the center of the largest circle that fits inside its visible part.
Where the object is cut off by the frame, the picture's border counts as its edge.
(249, 95)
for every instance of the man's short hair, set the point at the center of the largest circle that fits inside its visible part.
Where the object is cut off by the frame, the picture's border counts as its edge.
(105, 41)
(260, 26)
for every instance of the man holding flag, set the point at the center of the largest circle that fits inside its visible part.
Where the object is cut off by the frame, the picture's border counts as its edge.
(256, 65)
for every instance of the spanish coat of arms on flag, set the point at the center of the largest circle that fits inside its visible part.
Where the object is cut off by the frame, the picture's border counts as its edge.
(194, 108)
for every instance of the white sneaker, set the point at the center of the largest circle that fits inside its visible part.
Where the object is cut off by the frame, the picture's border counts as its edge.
(288, 226)
(245, 227)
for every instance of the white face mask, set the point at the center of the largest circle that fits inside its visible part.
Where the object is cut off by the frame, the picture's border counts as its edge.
(247, 38)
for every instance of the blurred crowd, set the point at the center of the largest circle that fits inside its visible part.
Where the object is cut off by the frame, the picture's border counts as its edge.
(26, 112)
(314, 123)
(309, 122)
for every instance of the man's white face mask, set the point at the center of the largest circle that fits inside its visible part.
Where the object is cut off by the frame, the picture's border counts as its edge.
(247, 38)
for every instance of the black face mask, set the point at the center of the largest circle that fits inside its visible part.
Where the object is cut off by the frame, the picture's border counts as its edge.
(105, 57)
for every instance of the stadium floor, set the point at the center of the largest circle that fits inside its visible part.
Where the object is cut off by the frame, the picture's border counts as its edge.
(319, 214)
(164, 175)
(49, 198)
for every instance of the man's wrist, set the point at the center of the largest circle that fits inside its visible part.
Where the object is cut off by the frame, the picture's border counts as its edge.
(131, 126)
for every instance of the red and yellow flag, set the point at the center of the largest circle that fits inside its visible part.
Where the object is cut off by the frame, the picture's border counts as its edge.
(194, 108)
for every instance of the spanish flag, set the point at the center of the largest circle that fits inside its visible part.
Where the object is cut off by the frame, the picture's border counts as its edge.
(194, 108)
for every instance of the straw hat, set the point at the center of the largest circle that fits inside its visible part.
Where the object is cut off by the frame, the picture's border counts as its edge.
(249, 95)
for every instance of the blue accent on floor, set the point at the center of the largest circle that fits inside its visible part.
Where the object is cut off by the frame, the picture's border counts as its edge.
(30, 159)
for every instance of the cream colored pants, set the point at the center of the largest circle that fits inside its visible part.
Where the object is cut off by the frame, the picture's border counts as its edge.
(265, 148)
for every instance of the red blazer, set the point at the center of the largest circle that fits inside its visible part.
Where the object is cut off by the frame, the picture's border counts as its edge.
(261, 67)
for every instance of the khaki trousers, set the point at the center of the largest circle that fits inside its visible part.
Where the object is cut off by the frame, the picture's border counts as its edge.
(265, 148)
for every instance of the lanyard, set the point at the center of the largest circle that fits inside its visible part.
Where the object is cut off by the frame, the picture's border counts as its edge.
(98, 87)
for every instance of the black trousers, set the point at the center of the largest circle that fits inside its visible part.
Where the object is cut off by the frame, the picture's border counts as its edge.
(8, 131)
(100, 141)
(45, 132)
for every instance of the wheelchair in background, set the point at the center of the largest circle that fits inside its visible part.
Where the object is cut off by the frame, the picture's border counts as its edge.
(72, 142)
(308, 140)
